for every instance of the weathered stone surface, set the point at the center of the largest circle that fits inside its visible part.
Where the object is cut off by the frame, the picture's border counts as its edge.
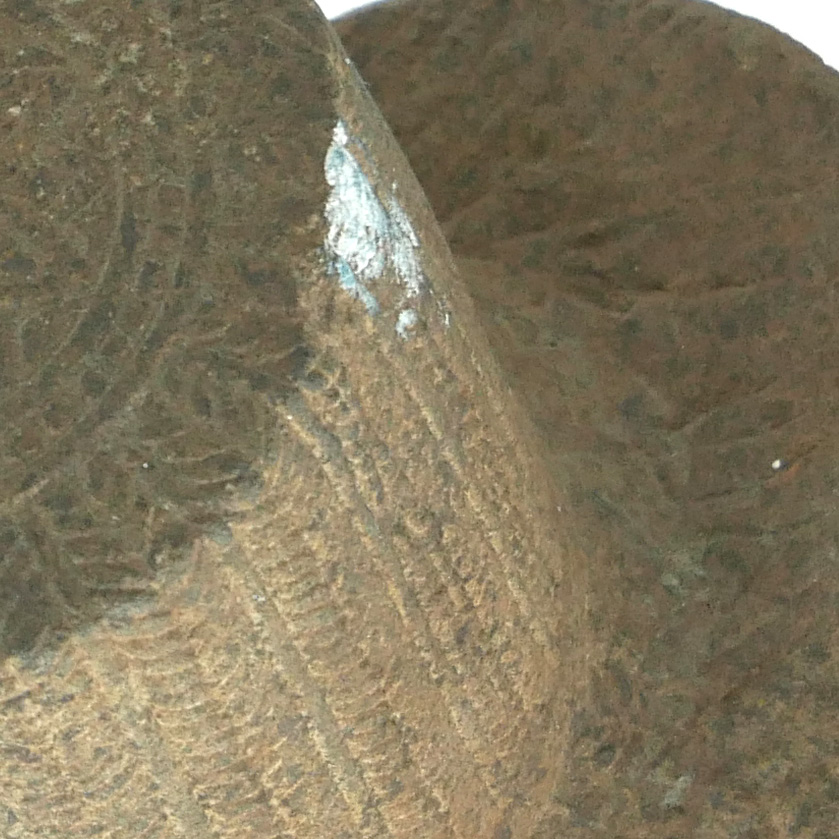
(280, 555)
(642, 199)
(288, 549)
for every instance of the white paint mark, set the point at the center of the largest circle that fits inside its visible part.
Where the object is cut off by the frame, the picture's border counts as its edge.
(407, 320)
(402, 250)
(367, 237)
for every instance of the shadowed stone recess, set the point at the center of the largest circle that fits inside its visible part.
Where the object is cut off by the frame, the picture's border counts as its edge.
(642, 201)
(151, 222)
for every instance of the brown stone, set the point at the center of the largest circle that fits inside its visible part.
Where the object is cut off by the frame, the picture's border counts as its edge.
(316, 524)
(641, 197)
(279, 551)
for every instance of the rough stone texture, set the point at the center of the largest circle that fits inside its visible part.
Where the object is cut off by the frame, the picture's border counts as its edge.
(643, 200)
(289, 549)
(280, 554)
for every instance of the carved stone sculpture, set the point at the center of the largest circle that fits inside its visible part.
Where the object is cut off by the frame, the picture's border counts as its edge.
(327, 510)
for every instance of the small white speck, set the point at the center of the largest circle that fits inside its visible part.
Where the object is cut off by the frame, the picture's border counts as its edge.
(258, 598)
(339, 133)
(15, 110)
(130, 55)
(145, 465)
(407, 320)
(778, 464)
(676, 794)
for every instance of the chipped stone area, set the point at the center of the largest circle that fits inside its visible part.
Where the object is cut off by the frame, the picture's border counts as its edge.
(368, 240)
